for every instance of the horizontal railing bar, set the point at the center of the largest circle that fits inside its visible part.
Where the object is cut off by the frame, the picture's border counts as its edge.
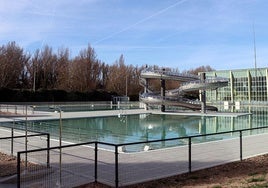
(23, 136)
(193, 136)
(56, 147)
(22, 129)
(143, 142)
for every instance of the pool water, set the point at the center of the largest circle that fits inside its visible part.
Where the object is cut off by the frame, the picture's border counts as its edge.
(144, 127)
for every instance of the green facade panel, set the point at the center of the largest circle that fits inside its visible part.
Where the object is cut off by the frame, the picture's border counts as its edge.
(245, 86)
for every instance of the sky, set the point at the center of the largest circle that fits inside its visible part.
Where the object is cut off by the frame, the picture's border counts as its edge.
(180, 34)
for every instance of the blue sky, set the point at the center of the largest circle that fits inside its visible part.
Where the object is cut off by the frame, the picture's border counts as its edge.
(181, 34)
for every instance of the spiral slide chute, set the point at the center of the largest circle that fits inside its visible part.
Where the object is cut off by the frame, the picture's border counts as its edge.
(208, 84)
(157, 100)
(168, 75)
(176, 97)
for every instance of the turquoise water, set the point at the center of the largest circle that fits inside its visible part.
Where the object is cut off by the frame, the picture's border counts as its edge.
(144, 127)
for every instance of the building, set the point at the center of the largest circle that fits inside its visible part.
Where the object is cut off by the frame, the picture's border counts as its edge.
(245, 86)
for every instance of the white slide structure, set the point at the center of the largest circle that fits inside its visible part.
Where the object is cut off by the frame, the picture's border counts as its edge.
(176, 97)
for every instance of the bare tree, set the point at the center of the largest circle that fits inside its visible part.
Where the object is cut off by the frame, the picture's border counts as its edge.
(85, 71)
(13, 73)
(123, 79)
(117, 77)
(200, 69)
(104, 69)
(43, 69)
(133, 80)
(63, 69)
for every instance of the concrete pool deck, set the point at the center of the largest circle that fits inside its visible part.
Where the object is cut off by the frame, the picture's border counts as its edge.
(41, 115)
(207, 114)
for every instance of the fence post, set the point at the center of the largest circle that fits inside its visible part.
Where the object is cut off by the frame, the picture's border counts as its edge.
(48, 150)
(96, 162)
(116, 166)
(26, 137)
(12, 140)
(18, 170)
(241, 145)
(190, 154)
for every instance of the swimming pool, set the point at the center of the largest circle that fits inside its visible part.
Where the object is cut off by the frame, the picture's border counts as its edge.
(145, 127)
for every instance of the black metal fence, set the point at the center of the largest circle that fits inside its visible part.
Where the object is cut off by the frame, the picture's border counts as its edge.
(69, 166)
(117, 165)
(21, 139)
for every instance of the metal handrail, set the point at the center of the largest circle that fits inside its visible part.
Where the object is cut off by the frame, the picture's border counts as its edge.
(207, 81)
(170, 73)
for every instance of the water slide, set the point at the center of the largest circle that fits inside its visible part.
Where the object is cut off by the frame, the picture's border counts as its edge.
(176, 97)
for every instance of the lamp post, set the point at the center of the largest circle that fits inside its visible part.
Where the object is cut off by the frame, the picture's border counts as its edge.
(126, 86)
(26, 135)
(60, 136)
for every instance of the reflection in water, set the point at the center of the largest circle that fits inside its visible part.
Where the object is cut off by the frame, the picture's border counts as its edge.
(144, 127)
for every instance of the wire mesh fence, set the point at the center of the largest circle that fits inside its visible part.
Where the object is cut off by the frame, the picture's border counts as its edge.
(69, 166)
(13, 140)
(120, 164)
